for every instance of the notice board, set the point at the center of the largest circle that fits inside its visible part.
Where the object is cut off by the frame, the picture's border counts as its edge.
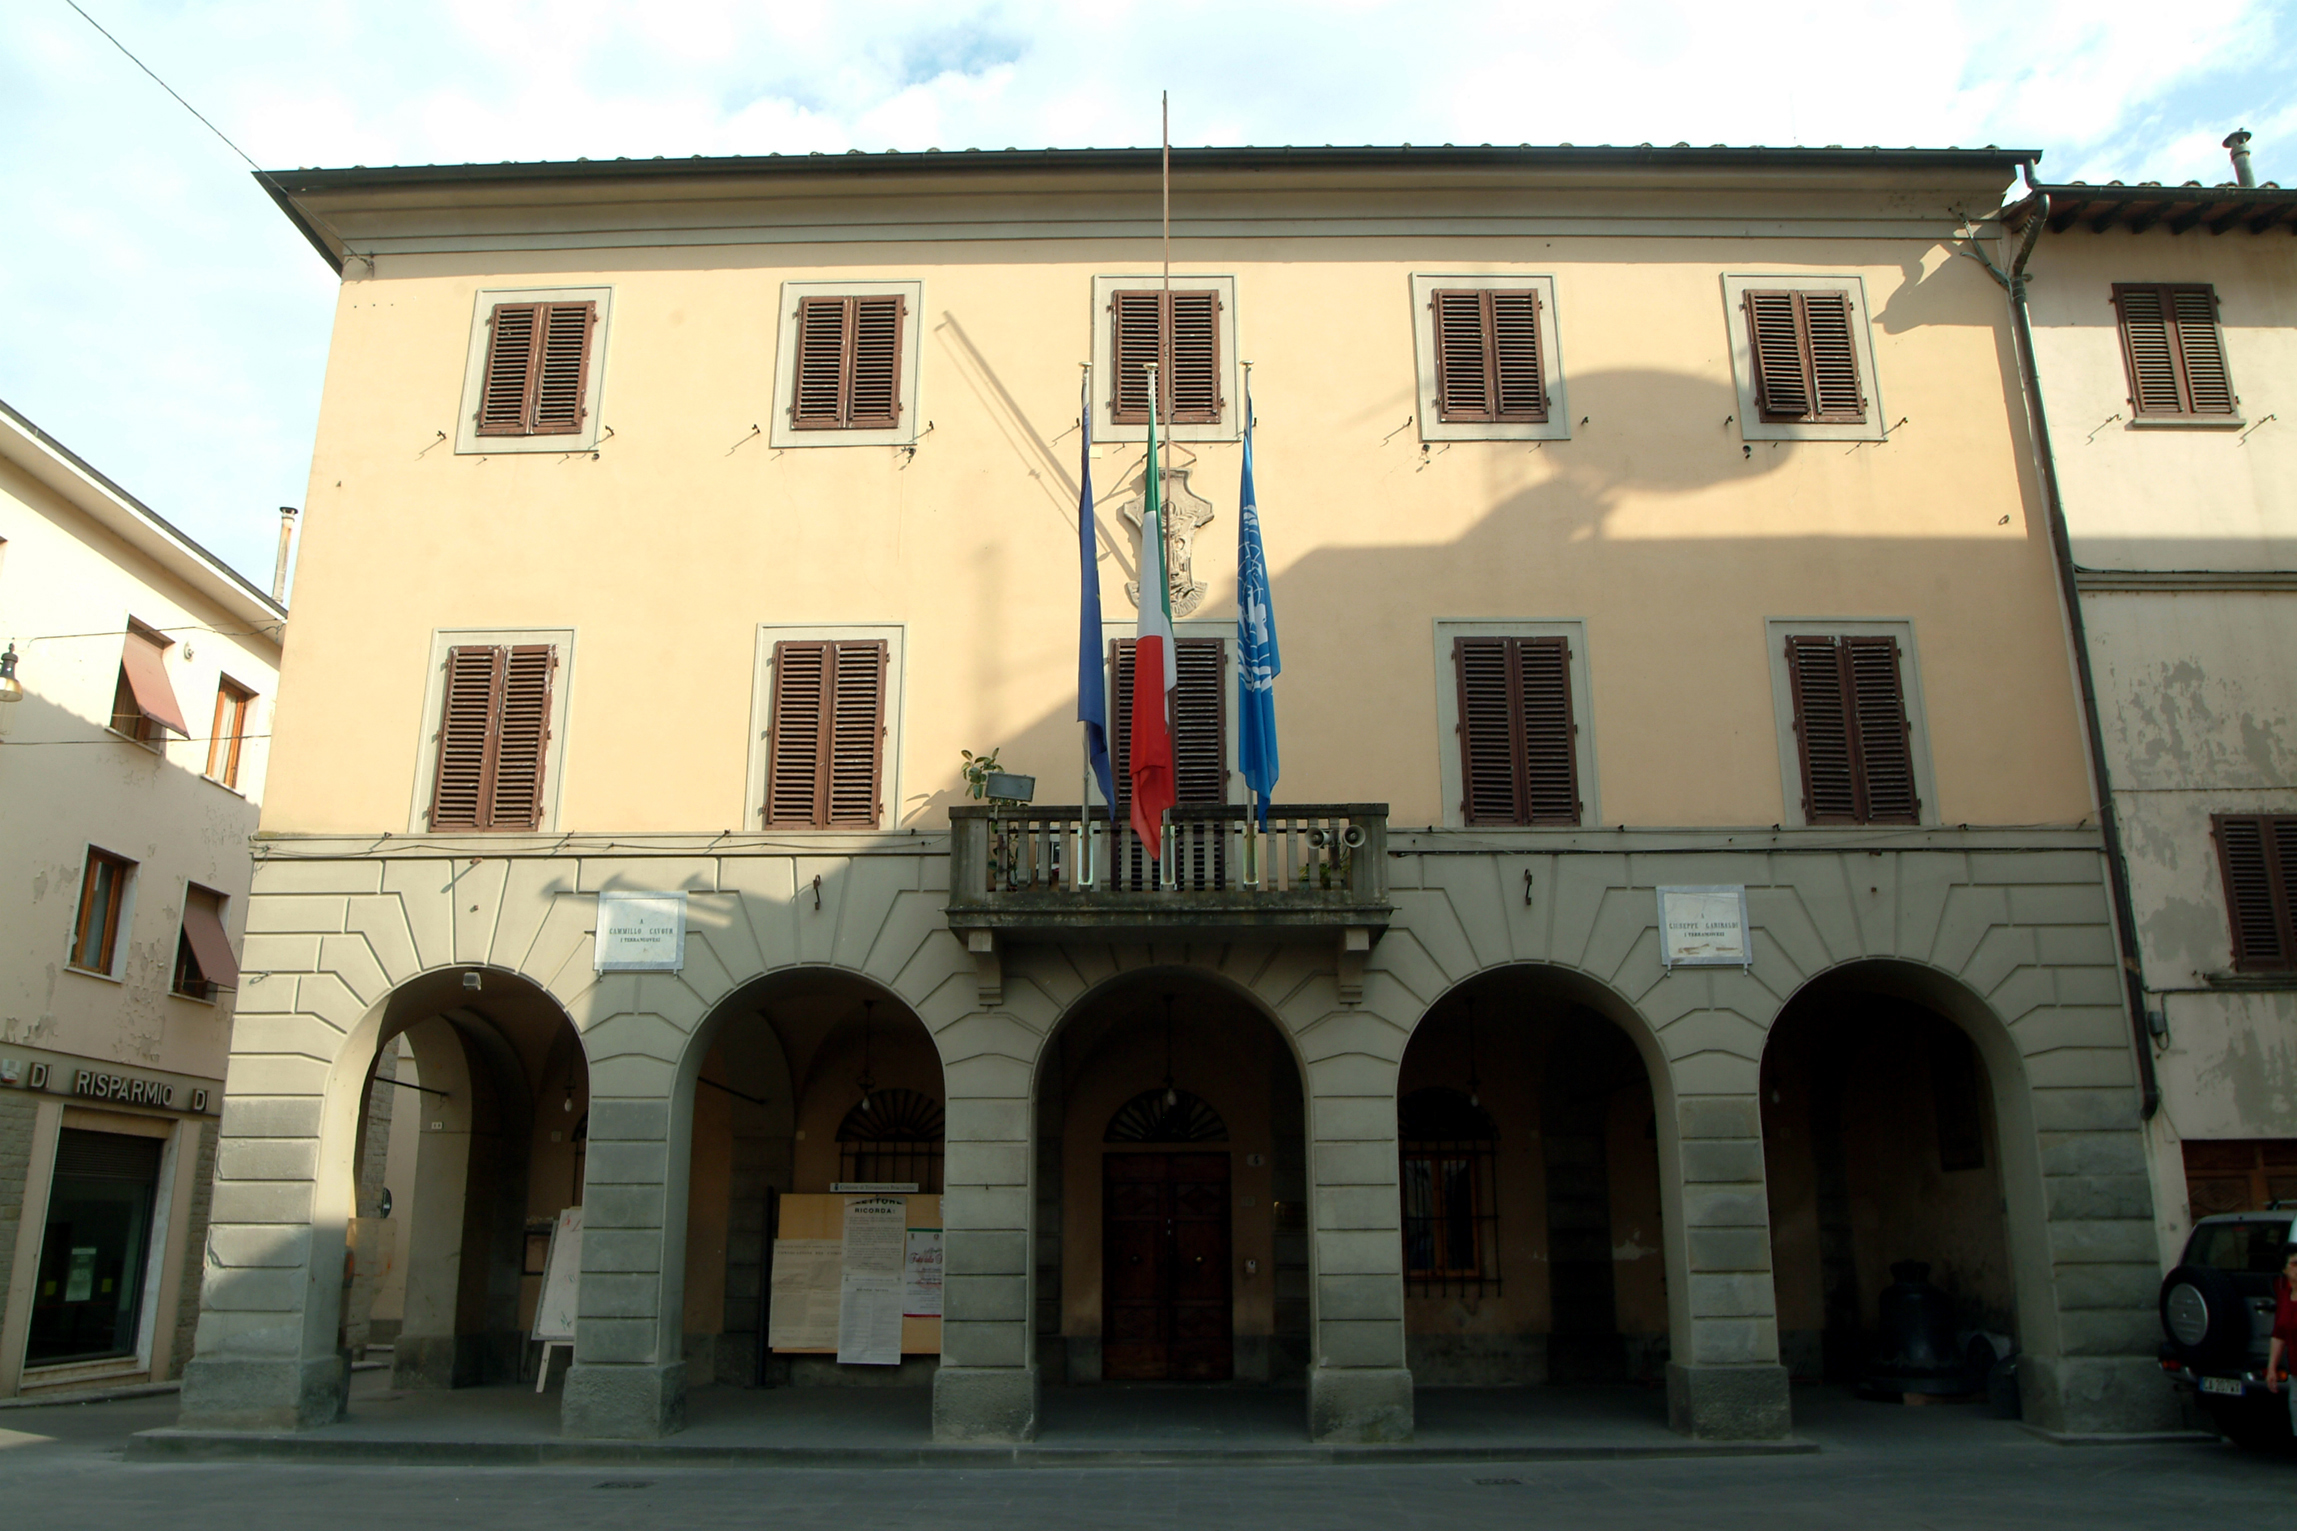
(808, 1273)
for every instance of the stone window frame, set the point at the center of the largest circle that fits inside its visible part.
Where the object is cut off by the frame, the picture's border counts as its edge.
(1231, 426)
(908, 430)
(893, 810)
(1450, 775)
(468, 441)
(1557, 425)
(434, 701)
(1776, 631)
(1752, 425)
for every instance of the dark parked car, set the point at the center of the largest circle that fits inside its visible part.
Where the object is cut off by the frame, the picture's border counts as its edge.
(2217, 1317)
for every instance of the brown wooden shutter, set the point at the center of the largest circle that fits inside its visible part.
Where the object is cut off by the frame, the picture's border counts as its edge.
(537, 369)
(1851, 731)
(825, 743)
(462, 792)
(1199, 722)
(2257, 853)
(1823, 731)
(1192, 362)
(794, 746)
(563, 369)
(1183, 340)
(1775, 333)
(873, 391)
(817, 401)
(1518, 384)
(2149, 351)
(523, 738)
(2201, 351)
(1805, 352)
(506, 396)
(1827, 322)
(1519, 761)
(1463, 373)
(856, 736)
(1550, 753)
(1885, 752)
(848, 364)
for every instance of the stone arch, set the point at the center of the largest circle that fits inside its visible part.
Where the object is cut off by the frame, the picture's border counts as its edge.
(2010, 1094)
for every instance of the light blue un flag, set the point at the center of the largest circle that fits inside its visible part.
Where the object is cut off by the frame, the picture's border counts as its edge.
(1258, 662)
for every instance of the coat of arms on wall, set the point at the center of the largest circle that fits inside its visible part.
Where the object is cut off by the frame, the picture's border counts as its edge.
(1185, 511)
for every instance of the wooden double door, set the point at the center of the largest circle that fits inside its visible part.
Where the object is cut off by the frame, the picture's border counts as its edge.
(1166, 1305)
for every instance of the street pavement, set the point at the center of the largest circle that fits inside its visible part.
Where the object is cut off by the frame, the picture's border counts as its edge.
(1880, 1468)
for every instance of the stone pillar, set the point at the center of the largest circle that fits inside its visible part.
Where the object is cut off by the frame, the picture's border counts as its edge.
(628, 1380)
(1724, 1380)
(1359, 1389)
(987, 1386)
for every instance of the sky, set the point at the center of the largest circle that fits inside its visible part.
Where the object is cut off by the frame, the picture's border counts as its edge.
(160, 316)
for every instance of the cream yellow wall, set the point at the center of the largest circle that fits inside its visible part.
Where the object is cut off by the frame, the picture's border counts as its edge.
(1654, 524)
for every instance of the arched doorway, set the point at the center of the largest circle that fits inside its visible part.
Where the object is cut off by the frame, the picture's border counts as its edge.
(1172, 1181)
(1529, 1177)
(1881, 1146)
(813, 1085)
(470, 1141)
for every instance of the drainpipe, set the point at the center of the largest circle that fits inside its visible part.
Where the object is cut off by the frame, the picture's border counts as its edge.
(2069, 596)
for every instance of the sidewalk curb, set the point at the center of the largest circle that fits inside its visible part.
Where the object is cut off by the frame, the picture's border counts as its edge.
(2133, 1438)
(177, 1445)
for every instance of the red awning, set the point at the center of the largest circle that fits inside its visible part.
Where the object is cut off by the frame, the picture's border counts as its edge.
(209, 944)
(146, 670)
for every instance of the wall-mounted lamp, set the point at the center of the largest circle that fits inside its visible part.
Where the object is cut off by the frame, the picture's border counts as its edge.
(11, 689)
(568, 1105)
(471, 982)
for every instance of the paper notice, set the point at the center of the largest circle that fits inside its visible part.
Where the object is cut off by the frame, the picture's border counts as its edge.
(921, 1275)
(806, 1299)
(874, 1229)
(869, 1319)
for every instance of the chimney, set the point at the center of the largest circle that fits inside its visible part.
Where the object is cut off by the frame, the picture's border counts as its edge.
(2238, 142)
(279, 569)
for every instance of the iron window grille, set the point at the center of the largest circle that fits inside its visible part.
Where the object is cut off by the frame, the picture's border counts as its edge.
(892, 1137)
(1448, 1148)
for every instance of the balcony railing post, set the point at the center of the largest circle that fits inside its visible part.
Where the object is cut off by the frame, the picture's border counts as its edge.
(969, 856)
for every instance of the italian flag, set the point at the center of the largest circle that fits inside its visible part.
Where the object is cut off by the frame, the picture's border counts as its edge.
(1156, 669)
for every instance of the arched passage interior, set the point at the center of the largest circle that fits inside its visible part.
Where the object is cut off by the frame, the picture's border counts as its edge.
(1172, 1183)
(472, 1124)
(1881, 1146)
(809, 1080)
(1529, 1179)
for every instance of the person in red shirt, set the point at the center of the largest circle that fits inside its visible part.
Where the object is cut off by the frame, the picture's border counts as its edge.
(2284, 1344)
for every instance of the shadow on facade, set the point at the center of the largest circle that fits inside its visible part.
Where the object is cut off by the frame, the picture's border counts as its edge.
(1529, 1172)
(808, 1078)
(1172, 1186)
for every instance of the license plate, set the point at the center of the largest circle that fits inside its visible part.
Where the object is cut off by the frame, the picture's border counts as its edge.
(2230, 1385)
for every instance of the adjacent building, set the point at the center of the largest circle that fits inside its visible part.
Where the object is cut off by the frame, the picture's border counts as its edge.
(2164, 323)
(135, 714)
(1685, 899)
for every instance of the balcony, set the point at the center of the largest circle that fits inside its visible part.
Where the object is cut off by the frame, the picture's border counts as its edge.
(1317, 874)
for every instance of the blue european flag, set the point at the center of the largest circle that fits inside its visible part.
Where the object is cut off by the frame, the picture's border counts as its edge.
(1092, 689)
(1258, 662)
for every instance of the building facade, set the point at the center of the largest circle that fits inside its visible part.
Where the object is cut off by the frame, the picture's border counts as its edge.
(134, 723)
(1638, 521)
(2164, 328)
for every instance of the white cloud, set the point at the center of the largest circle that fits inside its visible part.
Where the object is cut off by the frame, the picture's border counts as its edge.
(168, 323)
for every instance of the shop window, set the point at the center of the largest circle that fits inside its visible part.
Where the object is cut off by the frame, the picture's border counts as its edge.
(1448, 1146)
(88, 1300)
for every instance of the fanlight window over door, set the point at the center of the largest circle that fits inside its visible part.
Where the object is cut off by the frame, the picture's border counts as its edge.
(892, 1137)
(1166, 1115)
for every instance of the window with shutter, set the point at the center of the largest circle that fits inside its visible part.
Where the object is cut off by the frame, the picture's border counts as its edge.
(1200, 721)
(537, 369)
(2173, 351)
(848, 363)
(826, 735)
(1805, 356)
(1179, 333)
(1487, 356)
(2257, 854)
(494, 737)
(1852, 734)
(1519, 749)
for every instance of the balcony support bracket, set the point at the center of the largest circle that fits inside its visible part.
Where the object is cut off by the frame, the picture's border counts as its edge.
(1355, 946)
(988, 967)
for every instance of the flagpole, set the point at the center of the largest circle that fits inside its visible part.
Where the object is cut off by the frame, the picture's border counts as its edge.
(1251, 838)
(1164, 337)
